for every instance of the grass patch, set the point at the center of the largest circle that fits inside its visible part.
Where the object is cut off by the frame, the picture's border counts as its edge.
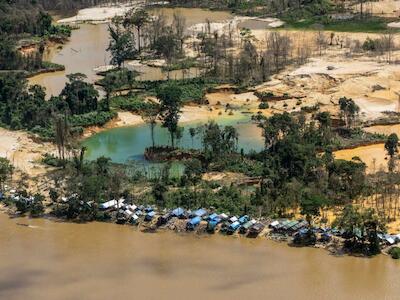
(181, 65)
(369, 25)
(130, 103)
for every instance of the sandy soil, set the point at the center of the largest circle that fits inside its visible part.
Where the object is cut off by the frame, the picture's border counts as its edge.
(225, 178)
(23, 151)
(384, 129)
(386, 8)
(190, 113)
(100, 13)
(394, 25)
(372, 83)
(234, 23)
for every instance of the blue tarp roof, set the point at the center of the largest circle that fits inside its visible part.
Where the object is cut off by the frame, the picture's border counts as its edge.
(151, 214)
(215, 220)
(234, 225)
(214, 223)
(200, 212)
(195, 221)
(178, 211)
(244, 219)
(212, 216)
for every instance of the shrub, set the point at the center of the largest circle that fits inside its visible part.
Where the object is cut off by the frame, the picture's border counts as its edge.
(395, 252)
(22, 206)
(369, 45)
(133, 104)
(263, 105)
(36, 208)
(264, 96)
(93, 118)
(52, 160)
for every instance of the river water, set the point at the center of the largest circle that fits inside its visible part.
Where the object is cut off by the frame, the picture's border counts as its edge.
(56, 260)
(86, 50)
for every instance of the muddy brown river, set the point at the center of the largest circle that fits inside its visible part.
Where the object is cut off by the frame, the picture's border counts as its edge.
(55, 260)
(86, 50)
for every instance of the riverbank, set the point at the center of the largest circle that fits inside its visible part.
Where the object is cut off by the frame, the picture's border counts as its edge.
(159, 223)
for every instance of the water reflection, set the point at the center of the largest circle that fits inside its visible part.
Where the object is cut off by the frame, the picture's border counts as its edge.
(122, 144)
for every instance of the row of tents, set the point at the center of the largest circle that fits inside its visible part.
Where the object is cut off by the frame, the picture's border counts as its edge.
(223, 222)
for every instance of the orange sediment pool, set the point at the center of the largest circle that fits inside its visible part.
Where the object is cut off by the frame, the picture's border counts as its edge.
(374, 156)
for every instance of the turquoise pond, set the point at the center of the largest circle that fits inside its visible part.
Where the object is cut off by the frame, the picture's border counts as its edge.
(129, 143)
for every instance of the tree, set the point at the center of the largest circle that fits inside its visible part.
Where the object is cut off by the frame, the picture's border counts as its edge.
(37, 208)
(150, 117)
(103, 165)
(166, 45)
(360, 225)
(78, 159)
(278, 47)
(391, 144)
(311, 204)
(349, 110)
(170, 100)
(193, 170)
(158, 191)
(320, 39)
(155, 29)
(109, 85)
(179, 25)
(44, 23)
(219, 141)
(346, 180)
(325, 122)
(6, 170)
(192, 132)
(53, 194)
(136, 18)
(80, 96)
(61, 128)
(122, 44)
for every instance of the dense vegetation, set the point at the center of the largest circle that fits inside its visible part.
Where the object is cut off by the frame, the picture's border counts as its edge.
(25, 23)
(23, 107)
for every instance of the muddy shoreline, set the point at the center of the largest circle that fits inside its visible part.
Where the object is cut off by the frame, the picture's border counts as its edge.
(178, 227)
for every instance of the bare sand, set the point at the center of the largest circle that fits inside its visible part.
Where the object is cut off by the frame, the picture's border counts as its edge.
(233, 24)
(100, 14)
(384, 129)
(373, 84)
(23, 151)
(189, 113)
(384, 8)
